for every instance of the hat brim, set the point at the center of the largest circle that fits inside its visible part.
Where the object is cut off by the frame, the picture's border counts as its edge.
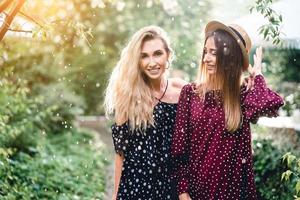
(215, 25)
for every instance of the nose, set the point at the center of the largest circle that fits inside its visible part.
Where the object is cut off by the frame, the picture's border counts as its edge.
(206, 58)
(152, 62)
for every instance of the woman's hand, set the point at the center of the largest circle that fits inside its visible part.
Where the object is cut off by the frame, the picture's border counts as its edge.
(184, 196)
(256, 69)
(249, 83)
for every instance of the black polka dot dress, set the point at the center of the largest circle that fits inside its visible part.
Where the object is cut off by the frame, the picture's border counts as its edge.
(147, 164)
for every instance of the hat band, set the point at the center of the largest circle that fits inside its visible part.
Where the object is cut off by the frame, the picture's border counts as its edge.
(239, 35)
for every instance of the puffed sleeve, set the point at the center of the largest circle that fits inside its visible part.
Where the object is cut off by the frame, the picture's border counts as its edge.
(180, 143)
(120, 136)
(261, 101)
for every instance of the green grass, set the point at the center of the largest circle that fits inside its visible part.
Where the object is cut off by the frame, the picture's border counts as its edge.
(62, 166)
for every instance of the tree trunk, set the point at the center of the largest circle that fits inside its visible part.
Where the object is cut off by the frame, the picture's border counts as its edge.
(11, 15)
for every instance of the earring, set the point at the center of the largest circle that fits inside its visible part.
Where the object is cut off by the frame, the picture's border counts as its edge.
(168, 64)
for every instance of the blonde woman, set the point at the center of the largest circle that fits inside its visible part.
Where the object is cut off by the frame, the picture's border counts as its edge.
(143, 103)
(212, 138)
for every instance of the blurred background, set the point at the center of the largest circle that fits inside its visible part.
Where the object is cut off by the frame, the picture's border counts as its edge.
(55, 60)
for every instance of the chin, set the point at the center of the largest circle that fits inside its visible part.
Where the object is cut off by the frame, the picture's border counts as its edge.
(154, 77)
(211, 72)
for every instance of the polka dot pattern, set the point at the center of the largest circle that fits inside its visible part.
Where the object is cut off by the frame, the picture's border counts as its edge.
(147, 164)
(212, 163)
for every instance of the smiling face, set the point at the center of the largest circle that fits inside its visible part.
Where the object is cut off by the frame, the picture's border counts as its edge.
(153, 58)
(210, 56)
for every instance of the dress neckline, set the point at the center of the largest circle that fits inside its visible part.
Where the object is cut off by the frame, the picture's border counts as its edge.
(162, 96)
(168, 103)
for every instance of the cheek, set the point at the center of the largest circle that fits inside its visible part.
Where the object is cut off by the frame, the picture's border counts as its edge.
(142, 63)
(163, 60)
(214, 60)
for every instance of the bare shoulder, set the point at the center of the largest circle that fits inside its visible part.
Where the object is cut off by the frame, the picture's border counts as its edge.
(175, 89)
(178, 83)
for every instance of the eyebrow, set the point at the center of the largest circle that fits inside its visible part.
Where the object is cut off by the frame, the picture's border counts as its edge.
(158, 50)
(212, 49)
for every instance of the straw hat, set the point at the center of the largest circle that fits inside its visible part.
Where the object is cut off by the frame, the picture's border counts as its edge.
(238, 33)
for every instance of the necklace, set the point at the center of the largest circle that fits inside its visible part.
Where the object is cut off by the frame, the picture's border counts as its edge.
(163, 93)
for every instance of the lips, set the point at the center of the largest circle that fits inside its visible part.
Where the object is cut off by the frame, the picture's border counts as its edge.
(210, 67)
(154, 70)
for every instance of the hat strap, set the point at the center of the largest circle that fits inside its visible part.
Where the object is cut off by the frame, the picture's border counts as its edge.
(239, 35)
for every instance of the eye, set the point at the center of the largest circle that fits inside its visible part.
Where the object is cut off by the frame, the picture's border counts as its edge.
(214, 52)
(143, 55)
(158, 53)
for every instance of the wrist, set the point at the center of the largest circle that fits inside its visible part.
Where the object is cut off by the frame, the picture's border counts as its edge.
(184, 195)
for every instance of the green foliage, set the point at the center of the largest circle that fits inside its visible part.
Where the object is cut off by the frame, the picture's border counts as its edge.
(24, 119)
(282, 66)
(292, 175)
(292, 102)
(272, 29)
(34, 162)
(282, 63)
(67, 106)
(268, 169)
(58, 170)
(21, 119)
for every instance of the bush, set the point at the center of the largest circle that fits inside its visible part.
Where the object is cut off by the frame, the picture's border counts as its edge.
(67, 106)
(268, 169)
(59, 170)
(292, 175)
(21, 119)
(34, 162)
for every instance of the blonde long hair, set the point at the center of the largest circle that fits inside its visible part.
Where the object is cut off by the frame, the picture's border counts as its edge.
(128, 94)
(227, 79)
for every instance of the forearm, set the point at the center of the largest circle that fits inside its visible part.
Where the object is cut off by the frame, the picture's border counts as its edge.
(118, 172)
(184, 196)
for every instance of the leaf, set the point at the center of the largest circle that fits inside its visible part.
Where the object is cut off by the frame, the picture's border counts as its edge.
(286, 175)
(282, 176)
(280, 18)
(297, 187)
(266, 31)
(44, 35)
(251, 9)
(290, 159)
(261, 30)
(296, 198)
(284, 157)
(276, 41)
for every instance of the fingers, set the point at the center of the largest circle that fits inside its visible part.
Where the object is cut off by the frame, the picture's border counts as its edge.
(257, 57)
(255, 60)
(248, 87)
(250, 68)
(259, 54)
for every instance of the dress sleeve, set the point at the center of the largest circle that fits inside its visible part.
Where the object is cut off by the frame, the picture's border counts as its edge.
(120, 136)
(261, 101)
(180, 143)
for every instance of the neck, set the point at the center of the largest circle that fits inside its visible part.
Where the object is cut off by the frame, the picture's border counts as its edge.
(157, 85)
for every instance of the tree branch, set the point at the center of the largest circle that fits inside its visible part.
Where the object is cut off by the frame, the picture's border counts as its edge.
(5, 14)
(31, 18)
(11, 15)
(4, 5)
(18, 30)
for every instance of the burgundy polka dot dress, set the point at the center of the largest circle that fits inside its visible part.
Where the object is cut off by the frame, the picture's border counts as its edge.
(213, 164)
(147, 164)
